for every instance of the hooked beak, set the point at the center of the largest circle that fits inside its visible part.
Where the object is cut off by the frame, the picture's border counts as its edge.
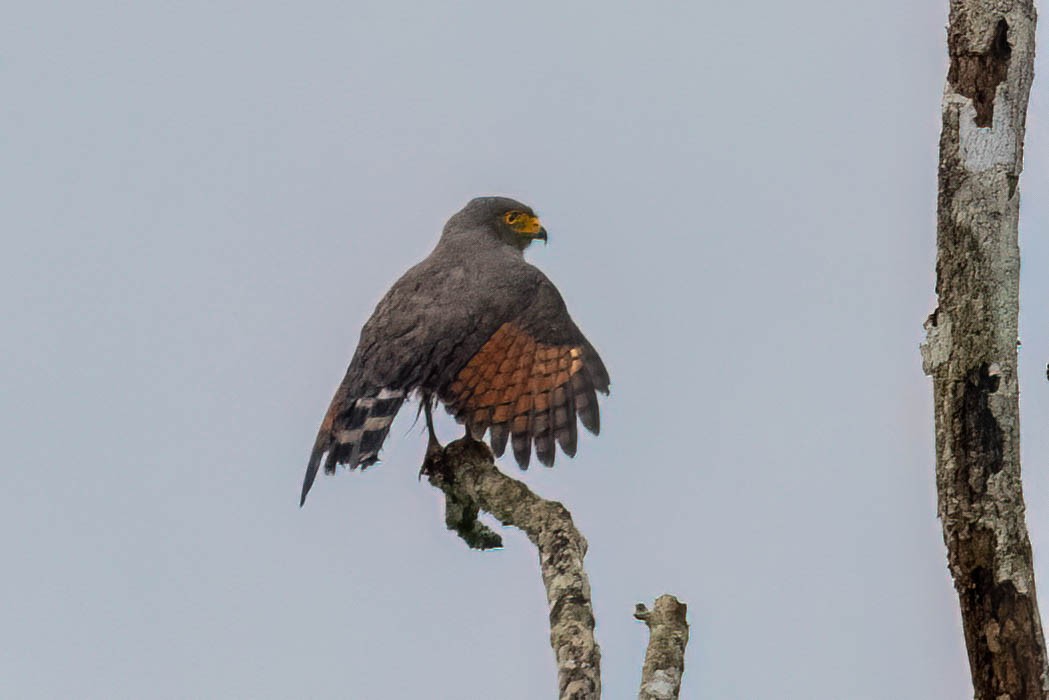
(529, 226)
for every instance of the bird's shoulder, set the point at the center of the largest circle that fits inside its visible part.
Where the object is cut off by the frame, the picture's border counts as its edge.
(449, 287)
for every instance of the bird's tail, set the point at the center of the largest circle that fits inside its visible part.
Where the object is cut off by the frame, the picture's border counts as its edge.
(352, 434)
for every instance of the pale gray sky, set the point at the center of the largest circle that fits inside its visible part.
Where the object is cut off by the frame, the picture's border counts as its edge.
(202, 202)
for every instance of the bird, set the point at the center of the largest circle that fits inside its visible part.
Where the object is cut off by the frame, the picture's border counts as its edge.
(477, 328)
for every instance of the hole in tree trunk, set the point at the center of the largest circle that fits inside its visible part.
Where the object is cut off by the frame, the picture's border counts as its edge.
(977, 75)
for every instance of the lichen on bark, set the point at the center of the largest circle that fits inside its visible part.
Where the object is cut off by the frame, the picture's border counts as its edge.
(665, 656)
(466, 473)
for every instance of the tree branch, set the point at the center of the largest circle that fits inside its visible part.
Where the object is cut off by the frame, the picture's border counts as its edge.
(665, 657)
(465, 472)
(970, 348)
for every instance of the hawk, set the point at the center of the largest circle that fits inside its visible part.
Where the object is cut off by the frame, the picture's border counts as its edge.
(482, 331)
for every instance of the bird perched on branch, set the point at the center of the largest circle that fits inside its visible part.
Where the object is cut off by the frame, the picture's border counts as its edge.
(482, 331)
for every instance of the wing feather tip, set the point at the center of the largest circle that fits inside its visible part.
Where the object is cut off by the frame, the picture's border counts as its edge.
(522, 445)
(311, 473)
(545, 454)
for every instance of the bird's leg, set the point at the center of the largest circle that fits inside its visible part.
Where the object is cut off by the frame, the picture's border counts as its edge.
(432, 462)
(432, 445)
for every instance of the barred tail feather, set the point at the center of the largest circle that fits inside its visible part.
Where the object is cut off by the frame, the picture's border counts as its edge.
(353, 436)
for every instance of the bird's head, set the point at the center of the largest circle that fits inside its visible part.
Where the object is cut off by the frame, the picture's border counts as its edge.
(510, 221)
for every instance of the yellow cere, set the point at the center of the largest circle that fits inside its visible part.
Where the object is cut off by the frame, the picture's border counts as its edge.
(523, 223)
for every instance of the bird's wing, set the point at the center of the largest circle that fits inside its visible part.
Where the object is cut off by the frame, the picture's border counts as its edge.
(494, 343)
(431, 317)
(529, 381)
(382, 373)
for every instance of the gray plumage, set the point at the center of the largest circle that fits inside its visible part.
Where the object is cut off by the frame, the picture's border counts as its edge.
(479, 328)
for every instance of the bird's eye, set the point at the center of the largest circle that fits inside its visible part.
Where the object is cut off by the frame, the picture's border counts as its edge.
(512, 217)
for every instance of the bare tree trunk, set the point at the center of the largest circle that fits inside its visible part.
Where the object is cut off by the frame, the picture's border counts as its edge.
(665, 657)
(970, 348)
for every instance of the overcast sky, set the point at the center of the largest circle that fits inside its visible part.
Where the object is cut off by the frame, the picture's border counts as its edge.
(202, 202)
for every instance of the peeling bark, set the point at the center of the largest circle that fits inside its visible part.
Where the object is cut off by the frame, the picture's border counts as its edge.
(970, 347)
(665, 657)
(465, 472)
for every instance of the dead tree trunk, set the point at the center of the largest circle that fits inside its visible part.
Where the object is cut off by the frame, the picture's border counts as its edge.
(465, 472)
(970, 348)
(665, 658)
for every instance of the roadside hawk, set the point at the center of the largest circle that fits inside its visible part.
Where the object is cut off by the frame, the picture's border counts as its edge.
(477, 328)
